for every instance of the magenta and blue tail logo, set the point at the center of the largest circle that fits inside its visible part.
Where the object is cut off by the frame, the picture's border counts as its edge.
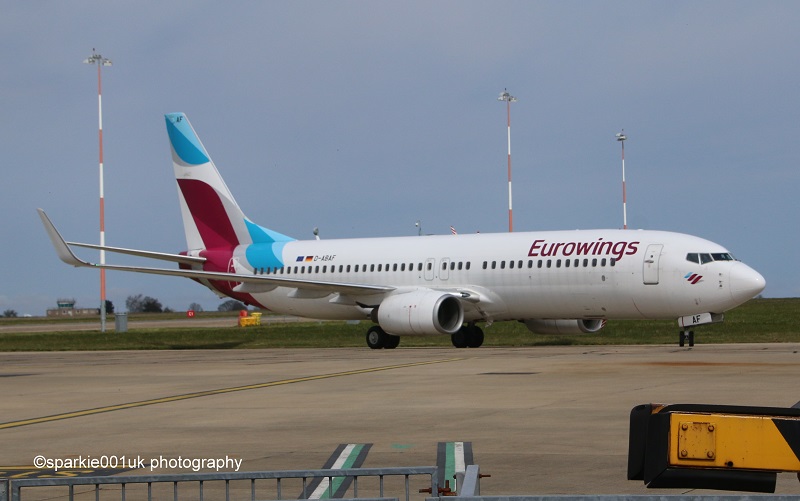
(693, 278)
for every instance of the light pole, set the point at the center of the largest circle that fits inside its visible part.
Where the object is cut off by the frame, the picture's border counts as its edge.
(508, 98)
(100, 61)
(621, 137)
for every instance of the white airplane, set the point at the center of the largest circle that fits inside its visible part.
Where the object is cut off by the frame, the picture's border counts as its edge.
(566, 282)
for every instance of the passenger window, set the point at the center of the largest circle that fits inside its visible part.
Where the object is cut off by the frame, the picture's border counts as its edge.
(394, 267)
(558, 263)
(594, 262)
(460, 264)
(494, 265)
(502, 265)
(325, 269)
(511, 264)
(430, 266)
(530, 263)
(539, 264)
(603, 262)
(485, 264)
(585, 263)
(693, 257)
(566, 263)
(612, 261)
(402, 266)
(549, 263)
(452, 265)
(468, 265)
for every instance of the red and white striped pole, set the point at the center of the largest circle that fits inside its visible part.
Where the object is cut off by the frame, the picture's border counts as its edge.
(508, 98)
(99, 60)
(621, 137)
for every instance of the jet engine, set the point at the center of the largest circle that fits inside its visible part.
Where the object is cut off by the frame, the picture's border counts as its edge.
(421, 312)
(564, 326)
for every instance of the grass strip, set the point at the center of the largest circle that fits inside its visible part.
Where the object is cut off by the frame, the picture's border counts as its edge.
(758, 321)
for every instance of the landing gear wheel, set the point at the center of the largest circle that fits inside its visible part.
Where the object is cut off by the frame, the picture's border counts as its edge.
(685, 336)
(376, 338)
(391, 342)
(691, 338)
(459, 339)
(474, 336)
(681, 338)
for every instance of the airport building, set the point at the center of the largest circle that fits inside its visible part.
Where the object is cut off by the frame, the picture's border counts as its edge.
(66, 308)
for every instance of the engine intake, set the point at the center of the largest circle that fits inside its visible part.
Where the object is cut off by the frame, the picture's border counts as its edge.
(564, 326)
(421, 312)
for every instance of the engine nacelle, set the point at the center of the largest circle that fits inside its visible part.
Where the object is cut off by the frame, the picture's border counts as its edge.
(421, 312)
(564, 326)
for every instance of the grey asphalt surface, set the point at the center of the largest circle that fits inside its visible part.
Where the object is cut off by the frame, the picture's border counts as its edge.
(550, 420)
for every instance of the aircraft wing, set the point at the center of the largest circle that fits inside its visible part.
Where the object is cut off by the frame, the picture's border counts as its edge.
(164, 256)
(263, 282)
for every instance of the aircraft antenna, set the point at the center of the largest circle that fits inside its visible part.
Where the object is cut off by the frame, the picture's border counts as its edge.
(508, 98)
(100, 61)
(621, 137)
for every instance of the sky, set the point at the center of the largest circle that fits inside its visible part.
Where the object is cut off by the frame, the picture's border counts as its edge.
(361, 118)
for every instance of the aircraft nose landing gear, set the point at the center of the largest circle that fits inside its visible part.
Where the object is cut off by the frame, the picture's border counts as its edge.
(684, 336)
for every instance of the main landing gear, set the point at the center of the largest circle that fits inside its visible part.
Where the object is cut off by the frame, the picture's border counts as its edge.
(684, 336)
(377, 338)
(468, 336)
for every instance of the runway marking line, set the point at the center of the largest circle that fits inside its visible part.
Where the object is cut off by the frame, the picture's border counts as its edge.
(221, 391)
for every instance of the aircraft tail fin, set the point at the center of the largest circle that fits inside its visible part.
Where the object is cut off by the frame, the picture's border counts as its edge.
(211, 216)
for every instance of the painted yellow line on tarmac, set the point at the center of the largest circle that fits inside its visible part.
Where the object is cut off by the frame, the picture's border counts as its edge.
(186, 396)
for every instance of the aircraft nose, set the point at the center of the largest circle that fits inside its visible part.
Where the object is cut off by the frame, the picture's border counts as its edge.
(745, 282)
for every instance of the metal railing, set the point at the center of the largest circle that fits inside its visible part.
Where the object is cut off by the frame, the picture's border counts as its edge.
(12, 489)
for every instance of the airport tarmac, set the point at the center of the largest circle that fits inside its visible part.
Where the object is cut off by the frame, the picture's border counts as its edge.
(548, 420)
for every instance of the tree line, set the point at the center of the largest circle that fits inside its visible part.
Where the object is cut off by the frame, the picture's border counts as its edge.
(140, 303)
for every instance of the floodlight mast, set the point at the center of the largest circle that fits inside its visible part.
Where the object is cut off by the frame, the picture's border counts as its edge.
(508, 98)
(100, 61)
(621, 137)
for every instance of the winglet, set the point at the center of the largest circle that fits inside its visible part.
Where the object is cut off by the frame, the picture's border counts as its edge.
(62, 249)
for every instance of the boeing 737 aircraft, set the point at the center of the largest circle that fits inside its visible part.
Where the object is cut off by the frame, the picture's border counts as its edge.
(566, 282)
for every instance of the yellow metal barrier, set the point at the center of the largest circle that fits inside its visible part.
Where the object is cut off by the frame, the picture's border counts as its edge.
(712, 446)
(253, 320)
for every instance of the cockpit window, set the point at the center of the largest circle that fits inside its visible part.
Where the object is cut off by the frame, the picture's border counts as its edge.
(699, 258)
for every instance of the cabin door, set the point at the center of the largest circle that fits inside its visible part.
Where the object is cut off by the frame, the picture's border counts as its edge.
(429, 264)
(650, 266)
